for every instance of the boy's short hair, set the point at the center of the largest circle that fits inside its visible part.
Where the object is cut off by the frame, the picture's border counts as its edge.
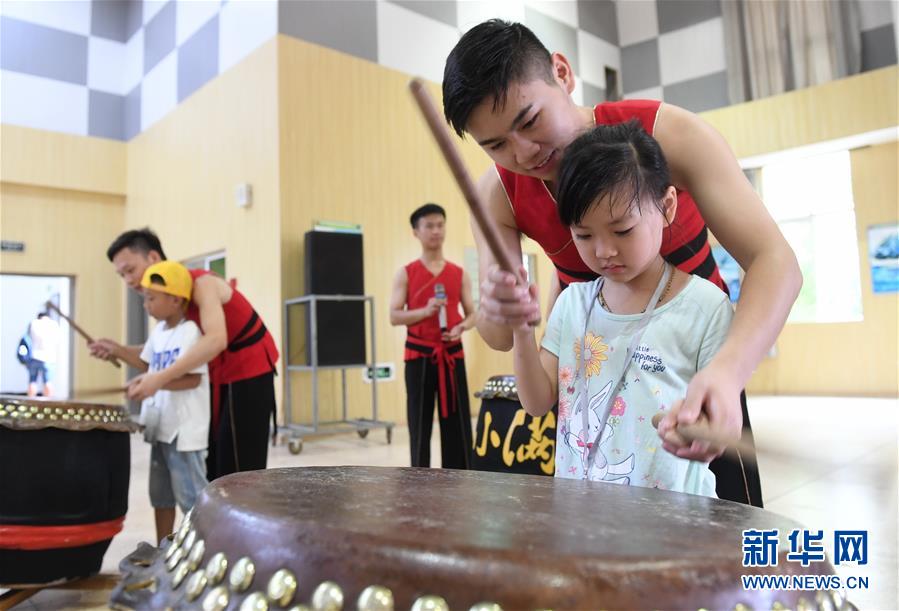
(141, 240)
(488, 59)
(425, 211)
(610, 159)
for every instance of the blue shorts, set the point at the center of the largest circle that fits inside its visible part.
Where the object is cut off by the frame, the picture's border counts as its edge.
(176, 477)
(38, 369)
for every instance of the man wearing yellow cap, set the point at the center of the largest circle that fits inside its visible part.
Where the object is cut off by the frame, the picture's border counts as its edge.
(175, 418)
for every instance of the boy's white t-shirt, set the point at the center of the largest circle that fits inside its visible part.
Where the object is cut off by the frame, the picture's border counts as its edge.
(682, 337)
(175, 414)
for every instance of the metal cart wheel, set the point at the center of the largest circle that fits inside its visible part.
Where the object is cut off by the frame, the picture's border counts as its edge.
(295, 445)
(389, 434)
(363, 433)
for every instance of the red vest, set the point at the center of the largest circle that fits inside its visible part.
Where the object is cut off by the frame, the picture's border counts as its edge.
(423, 339)
(420, 289)
(251, 349)
(684, 244)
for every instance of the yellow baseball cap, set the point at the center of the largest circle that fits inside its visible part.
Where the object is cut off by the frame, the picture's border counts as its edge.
(168, 277)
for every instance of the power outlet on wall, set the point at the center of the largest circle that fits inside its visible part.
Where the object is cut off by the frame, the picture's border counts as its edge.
(243, 195)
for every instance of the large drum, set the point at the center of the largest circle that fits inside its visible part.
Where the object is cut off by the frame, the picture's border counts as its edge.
(379, 538)
(64, 473)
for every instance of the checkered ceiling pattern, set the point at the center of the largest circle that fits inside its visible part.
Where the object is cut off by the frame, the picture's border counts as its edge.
(112, 68)
(673, 50)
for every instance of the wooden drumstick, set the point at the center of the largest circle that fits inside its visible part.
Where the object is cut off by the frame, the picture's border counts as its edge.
(454, 161)
(701, 430)
(80, 331)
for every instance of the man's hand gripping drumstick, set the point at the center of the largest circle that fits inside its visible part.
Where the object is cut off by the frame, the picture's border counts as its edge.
(463, 180)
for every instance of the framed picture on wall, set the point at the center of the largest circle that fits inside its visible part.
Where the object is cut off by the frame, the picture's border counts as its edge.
(730, 271)
(883, 254)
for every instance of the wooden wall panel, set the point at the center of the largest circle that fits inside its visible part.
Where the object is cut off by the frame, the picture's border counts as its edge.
(846, 358)
(66, 233)
(850, 106)
(183, 172)
(62, 161)
(857, 358)
(353, 148)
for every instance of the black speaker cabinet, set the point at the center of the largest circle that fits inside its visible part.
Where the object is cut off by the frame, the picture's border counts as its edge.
(334, 267)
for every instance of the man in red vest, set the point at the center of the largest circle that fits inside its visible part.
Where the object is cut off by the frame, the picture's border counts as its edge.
(426, 296)
(504, 88)
(240, 351)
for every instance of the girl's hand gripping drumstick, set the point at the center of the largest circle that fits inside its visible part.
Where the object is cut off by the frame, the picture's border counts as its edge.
(702, 431)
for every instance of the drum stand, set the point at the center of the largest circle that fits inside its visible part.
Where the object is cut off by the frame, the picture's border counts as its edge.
(96, 583)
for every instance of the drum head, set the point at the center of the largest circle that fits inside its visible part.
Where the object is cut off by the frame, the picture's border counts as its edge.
(468, 537)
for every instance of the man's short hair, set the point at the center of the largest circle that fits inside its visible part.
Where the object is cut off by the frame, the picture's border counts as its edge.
(140, 240)
(486, 61)
(425, 211)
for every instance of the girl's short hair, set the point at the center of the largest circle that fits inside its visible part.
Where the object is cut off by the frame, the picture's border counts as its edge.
(619, 159)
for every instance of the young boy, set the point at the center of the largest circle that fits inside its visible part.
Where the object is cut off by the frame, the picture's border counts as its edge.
(176, 419)
(425, 297)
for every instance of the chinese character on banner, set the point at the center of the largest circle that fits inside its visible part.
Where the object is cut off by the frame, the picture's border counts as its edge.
(807, 550)
(850, 546)
(760, 547)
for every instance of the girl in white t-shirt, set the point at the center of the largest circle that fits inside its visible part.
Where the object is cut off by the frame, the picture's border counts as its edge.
(624, 347)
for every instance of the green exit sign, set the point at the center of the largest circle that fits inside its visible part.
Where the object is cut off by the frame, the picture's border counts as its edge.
(382, 372)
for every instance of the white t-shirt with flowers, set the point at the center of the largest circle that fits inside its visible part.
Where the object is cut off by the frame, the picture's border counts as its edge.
(681, 338)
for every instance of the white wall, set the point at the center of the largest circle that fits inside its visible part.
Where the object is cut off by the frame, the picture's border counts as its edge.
(21, 298)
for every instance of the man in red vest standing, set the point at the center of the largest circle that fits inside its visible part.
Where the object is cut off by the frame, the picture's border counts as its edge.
(426, 296)
(240, 351)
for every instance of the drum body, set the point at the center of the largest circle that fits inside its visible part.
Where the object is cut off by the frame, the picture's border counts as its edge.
(507, 438)
(64, 475)
(364, 535)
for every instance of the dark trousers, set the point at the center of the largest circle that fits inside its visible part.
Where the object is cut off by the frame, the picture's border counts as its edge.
(739, 480)
(240, 442)
(455, 429)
